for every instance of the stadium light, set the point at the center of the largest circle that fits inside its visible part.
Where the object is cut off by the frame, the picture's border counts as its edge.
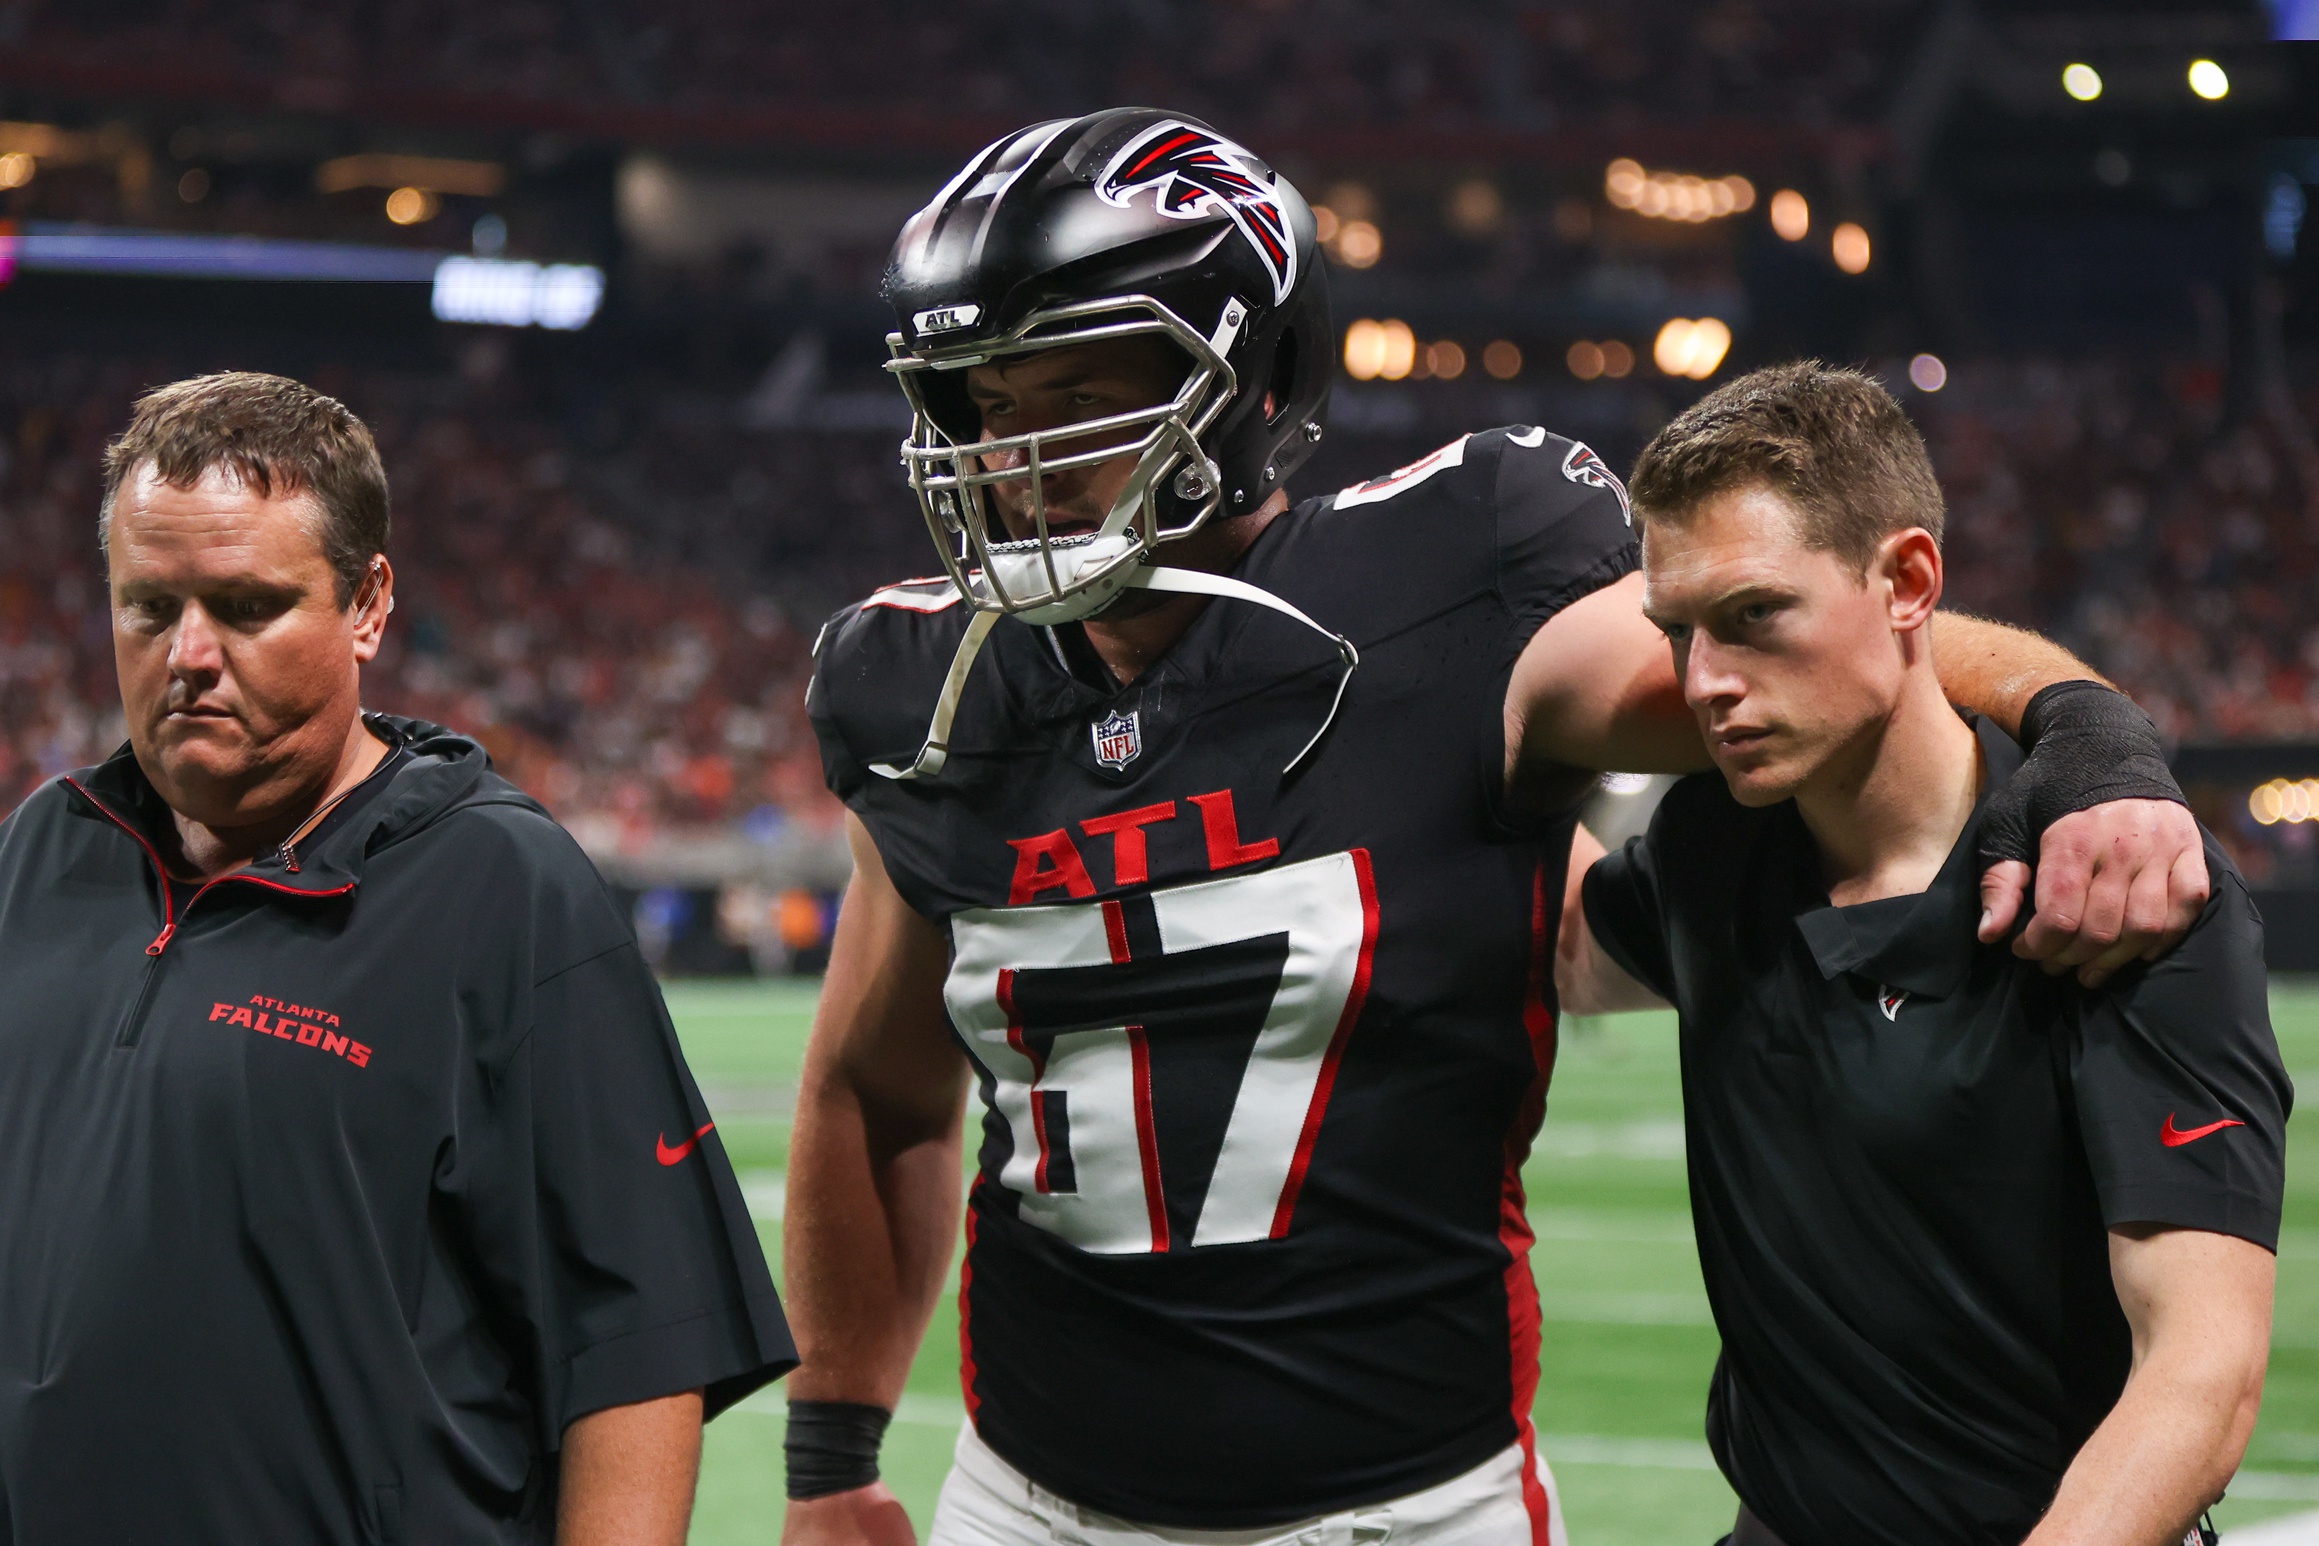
(1446, 359)
(1693, 349)
(1791, 215)
(2082, 81)
(16, 169)
(1849, 245)
(1927, 373)
(1400, 351)
(2209, 80)
(1475, 207)
(1502, 359)
(1584, 359)
(1359, 245)
(561, 296)
(411, 206)
(1675, 195)
(2293, 801)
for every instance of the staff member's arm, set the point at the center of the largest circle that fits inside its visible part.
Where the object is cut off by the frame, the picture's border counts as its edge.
(1587, 979)
(629, 1472)
(2118, 881)
(2200, 1306)
(2182, 1104)
(873, 1202)
(614, 1251)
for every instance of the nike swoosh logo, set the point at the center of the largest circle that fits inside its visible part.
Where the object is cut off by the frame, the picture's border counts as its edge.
(2174, 1138)
(669, 1156)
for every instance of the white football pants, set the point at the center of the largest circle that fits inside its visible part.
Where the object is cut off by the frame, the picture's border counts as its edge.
(986, 1502)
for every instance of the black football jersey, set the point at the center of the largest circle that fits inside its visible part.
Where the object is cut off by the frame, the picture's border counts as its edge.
(1260, 1054)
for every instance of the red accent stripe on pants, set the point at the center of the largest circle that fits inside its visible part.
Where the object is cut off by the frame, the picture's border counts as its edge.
(1513, 1211)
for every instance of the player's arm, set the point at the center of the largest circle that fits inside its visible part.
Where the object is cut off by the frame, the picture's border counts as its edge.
(2200, 1307)
(2121, 880)
(1586, 980)
(873, 1201)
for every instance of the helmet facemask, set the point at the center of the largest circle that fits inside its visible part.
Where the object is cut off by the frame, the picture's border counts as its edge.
(1043, 578)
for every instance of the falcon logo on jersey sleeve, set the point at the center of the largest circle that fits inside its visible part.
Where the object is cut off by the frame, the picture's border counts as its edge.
(1583, 466)
(1889, 1000)
(1194, 173)
(1118, 739)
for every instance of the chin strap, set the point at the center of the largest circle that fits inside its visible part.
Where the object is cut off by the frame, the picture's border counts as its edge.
(1194, 582)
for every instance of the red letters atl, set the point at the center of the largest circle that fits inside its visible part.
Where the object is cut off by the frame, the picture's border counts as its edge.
(1051, 862)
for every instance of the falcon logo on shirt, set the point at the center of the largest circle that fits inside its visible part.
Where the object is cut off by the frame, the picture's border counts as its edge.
(1194, 173)
(1889, 1000)
(1581, 465)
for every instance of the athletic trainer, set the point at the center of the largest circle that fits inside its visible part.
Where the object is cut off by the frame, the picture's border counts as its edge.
(357, 1192)
(1990, 1251)
(1219, 842)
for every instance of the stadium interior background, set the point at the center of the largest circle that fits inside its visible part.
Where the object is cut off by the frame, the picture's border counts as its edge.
(602, 275)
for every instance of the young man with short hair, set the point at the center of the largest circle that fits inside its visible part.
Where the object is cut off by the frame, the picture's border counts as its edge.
(1990, 1251)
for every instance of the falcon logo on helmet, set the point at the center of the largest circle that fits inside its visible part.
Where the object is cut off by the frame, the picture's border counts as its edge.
(1193, 172)
(1583, 466)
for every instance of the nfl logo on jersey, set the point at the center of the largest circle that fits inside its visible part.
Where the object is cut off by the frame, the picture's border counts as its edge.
(1118, 739)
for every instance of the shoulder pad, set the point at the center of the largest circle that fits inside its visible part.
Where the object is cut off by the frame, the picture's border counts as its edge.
(1405, 478)
(878, 666)
(1560, 460)
(1571, 460)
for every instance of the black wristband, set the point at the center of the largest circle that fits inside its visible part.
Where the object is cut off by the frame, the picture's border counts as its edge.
(832, 1446)
(2088, 744)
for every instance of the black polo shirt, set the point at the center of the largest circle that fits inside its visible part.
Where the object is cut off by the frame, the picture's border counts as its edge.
(1906, 1149)
(338, 1187)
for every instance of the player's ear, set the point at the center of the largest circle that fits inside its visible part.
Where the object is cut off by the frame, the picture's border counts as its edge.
(1910, 562)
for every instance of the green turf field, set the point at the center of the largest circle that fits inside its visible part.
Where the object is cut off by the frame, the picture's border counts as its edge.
(1628, 1344)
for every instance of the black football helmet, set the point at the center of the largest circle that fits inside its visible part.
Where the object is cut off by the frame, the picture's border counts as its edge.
(1122, 223)
(1129, 221)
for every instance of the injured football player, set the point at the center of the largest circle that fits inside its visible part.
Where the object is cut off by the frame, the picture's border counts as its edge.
(1216, 841)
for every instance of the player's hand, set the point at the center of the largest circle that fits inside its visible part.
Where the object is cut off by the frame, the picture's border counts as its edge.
(2117, 883)
(866, 1516)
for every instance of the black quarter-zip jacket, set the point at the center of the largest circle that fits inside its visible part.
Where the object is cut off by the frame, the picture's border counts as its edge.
(329, 1197)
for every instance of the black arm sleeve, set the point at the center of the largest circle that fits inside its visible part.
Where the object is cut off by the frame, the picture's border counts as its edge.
(615, 1258)
(1621, 897)
(840, 768)
(652, 1279)
(2181, 1095)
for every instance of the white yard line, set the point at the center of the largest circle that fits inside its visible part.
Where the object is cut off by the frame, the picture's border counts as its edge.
(2287, 1530)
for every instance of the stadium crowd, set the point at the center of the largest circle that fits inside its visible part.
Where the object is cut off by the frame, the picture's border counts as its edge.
(2113, 507)
(1517, 64)
(621, 602)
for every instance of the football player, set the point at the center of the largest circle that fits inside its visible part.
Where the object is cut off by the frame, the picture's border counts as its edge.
(1240, 916)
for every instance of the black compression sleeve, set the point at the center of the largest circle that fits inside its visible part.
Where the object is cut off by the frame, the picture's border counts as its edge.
(2088, 744)
(832, 1446)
